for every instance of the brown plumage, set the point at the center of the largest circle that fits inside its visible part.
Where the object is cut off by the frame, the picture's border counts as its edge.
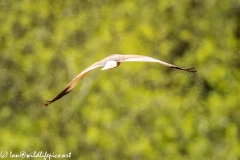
(109, 62)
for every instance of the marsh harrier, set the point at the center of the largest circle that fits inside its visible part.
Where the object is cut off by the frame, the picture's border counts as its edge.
(110, 62)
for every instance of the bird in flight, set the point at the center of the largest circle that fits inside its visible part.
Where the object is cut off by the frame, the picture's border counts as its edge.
(110, 62)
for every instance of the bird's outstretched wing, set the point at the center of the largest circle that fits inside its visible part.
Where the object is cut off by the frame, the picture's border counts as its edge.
(72, 84)
(139, 58)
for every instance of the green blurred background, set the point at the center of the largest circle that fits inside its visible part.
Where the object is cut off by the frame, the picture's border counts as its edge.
(136, 111)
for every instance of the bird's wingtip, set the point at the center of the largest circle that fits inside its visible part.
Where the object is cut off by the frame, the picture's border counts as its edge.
(47, 103)
(192, 69)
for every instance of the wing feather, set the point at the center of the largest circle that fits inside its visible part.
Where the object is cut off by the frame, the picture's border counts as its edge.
(139, 58)
(73, 83)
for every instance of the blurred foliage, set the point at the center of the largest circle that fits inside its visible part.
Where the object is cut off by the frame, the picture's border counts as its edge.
(138, 110)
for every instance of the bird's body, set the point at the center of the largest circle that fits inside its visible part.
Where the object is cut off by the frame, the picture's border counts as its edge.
(110, 62)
